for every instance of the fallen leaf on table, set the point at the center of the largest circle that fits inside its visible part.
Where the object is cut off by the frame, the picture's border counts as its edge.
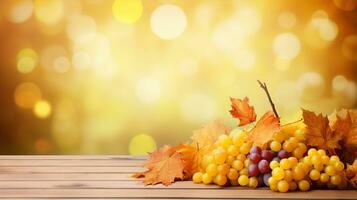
(191, 158)
(242, 111)
(319, 134)
(164, 166)
(264, 130)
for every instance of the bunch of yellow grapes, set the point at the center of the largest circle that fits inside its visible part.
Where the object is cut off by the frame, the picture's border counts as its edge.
(227, 163)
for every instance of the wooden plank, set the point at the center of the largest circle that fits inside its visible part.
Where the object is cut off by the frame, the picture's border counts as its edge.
(177, 193)
(57, 162)
(64, 177)
(122, 184)
(71, 157)
(41, 170)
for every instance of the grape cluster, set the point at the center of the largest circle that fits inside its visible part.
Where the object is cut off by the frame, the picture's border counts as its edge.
(227, 164)
(285, 164)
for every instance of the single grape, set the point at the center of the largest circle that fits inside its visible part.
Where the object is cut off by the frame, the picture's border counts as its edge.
(243, 171)
(253, 170)
(243, 180)
(288, 176)
(316, 159)
(304, 185)
(283, 154)
(266, 178)
(314, 175)
(298, 173)
(247, 163)
(325, 159)
(298, 153)
(272, 181)
(321, 152)
(319, 167)
(211, 169)
(283, 186)
(255, 149)
(223, 168)
(276, 159)
(230, 159)
(263, 166)
(253, 182)
(274, 164)
(336, 179)
(334, 159)
(285, 163)
(220, 157)
(292, 186)
(302, 146)
(311, 152)
(244, 149)
(339, 166)
(288, 146)
(224, 140)
(206, 179)
(324, 178)
(267, 155)
(238, 165)
(241, 157)
(293, 161)
(232, 150)
(278, 173)
(232, 174)
(275, 146)
(330, 170)
(197, 177)
(255, 157)
(220, 180)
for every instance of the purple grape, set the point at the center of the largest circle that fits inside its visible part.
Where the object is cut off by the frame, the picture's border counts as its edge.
(253, 170)
(267, 155)
(276, 159)
(255, 149)
(263, 166)
(283, 154)
(255, 158)
(266, 178)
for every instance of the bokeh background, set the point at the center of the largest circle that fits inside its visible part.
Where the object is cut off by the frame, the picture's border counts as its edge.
(127, 76)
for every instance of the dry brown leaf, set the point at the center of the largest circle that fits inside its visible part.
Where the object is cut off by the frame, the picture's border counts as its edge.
(164, 166)
(242, 111)
(319, 134)
(191, 158)
(264, 130)
(205, 137)
(351, 171)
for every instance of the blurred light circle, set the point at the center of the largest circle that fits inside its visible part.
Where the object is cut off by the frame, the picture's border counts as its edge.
(339, 82)
(282, 64)
(27, 60)
(20, 10)
(168, 21)
(328, 30)
(81, 28)
(319, 14)
(49, 12)
(345, 93)
(310, 86)
(198, 108)
(245, 60)
(127, 11)
(188, 67)
(42, 109)
(148, 90)
(81, 60)
(346, 5)
(142, 144)
(26, 95)
(286, 46)
(49, 54)
(287, 19)
(61, 64)
(249, 20)
(349, 47)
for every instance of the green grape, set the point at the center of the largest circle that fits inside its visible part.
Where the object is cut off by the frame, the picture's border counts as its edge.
(247, 162)
(311, 152)
(316, 159)
(324, 178)
(244, 149)
(339, 166)
(285, 164)
(243, 180)
(299, 134)
(211, 169)
(293, 161)
(243, 171)
(288, 175)
(207, 159)
(292, 186)
(272, 181)
(219, 157)
(325, 159)
(230, 159)
(314, 175)
(238, 165)
(253, 182)
(232, 150)
(220, 179)
(330, 170)
(232, 174)
(278, 173)
(283, 186)
(197, 177)
(302, 146)
(336, 179)
(299, 173)
(223, 169)
(298, 153)
(304, 185)
(241, 157)
(294, 142)
(319, 166)
(334, 159)
(206, 179)
(275, 146)
(321, 152)
(224, 140)
(288, 146)
(274, 164)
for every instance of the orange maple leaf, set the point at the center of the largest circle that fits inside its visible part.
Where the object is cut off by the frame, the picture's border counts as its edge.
(205, 137)
(264, 130)
(191, 157)
(351, 171)
(319, 133)
(164, 166)
(242, 111)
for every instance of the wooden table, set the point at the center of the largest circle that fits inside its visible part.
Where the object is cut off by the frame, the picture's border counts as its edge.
(109, 177)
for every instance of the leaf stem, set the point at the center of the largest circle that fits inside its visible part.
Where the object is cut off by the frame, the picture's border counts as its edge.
(265, 88)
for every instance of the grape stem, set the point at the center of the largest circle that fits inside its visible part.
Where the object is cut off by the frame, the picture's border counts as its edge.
(265, 88)
(292, 122)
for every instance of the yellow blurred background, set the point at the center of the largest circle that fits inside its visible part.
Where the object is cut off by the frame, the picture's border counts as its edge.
(127, 76)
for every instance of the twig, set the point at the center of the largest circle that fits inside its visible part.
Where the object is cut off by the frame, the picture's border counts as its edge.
(292, 122)
(265, 88)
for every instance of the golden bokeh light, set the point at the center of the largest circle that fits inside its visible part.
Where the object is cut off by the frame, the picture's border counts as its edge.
(127, 11)
(286, 46)
(27, 94)
(49, 12)
(27, 60)
(81, 28)
(168, 21)
(42, 109)
(20, 11)
(141, 144)
(310, 86)
(148, 89)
